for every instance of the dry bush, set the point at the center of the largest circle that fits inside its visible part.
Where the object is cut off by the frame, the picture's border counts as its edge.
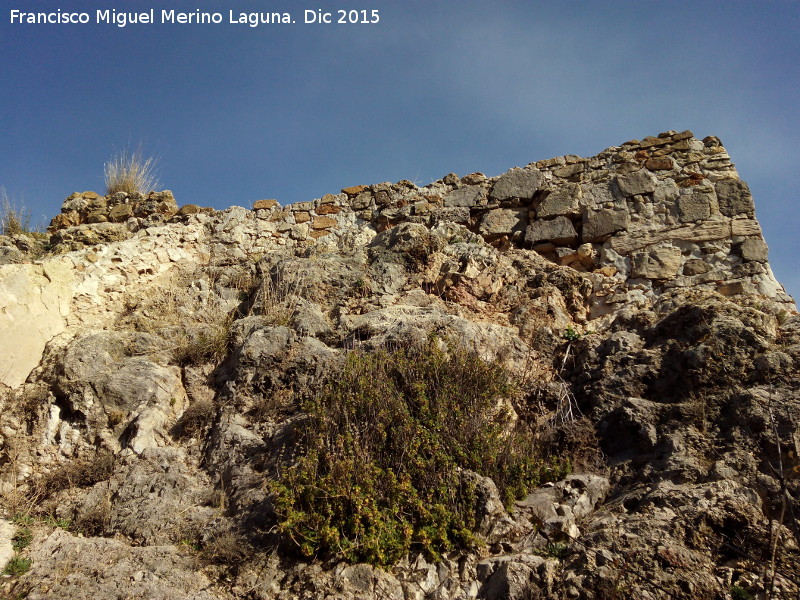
(227, 548)
(189, 309)
(194, 420)
(276, 296)
(14, 218)
(130, 172)
(78, 473)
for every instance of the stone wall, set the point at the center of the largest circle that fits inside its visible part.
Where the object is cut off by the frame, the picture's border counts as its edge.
(640, 218)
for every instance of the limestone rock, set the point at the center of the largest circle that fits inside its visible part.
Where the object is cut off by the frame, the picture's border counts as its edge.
(639, 182)
(503, 221)
(657, 262)
(34, 303)
(558, 231)
(563, 201)
(517, 183)
(598, 225)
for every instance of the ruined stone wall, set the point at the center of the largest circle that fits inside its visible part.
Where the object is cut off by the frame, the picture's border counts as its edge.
(640, 218)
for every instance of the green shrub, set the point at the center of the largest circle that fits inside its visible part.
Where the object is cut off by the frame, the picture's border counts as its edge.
(383, 449)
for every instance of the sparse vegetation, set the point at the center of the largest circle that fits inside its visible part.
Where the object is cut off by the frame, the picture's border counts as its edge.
(739, 593)
(21, 539)
(386, 449)
(17, 566)
(15, 219)
(130, 172)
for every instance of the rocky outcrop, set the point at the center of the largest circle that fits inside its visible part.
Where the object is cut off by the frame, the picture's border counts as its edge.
(159, 363)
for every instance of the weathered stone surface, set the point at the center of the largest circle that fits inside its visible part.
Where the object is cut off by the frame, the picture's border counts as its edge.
(191, 347)
(517, 183)
(657, 262)
(694, 206)
(503, 221)
(754, 249)
(598, 225)
(101, 568)
(639, 182)
(464, 197)
(734, 198)
(695, 266)
(354, 190)
(563, 201)
(34, 303)
(558, 231)
(660, 163)
(323, 223)
(264, 204)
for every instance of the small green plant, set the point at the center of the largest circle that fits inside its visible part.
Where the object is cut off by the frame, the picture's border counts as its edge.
(23, 519)
(55, 522)
(555, 550)
(21, 539)
(130, 172)
(739, 593)
(386, 450)
(17, 566)
(571, 334)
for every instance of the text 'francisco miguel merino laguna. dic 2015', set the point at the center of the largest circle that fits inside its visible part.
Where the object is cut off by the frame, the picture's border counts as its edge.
(121, 19)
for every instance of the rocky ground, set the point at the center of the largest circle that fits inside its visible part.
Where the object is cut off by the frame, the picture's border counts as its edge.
(160, 363)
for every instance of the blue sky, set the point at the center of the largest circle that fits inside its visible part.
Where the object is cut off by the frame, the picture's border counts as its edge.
(292, 112)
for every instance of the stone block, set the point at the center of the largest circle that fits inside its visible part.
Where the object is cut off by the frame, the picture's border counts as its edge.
(734, 198)
(503, 221)
(562, 201)
(354, 190)
(260, 204)
(639, 182)
(558, 231)
(466, 196)
(517, 183)
(694, 206)
(753, 249)
(695, 266)
(120, 213)
(598, 225)
(661, 163)
(656, 262)
(324, 223)
(362, 201)
(570, 170)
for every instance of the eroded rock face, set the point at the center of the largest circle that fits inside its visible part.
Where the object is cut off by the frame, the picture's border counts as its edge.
(156, 372)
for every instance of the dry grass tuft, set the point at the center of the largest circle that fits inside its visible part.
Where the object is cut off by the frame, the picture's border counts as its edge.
(14, 218)
(130, 172)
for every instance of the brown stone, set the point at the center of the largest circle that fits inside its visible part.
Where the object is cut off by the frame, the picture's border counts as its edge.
(188, 209)
(695, 266)
(91, 195)
(120, 213)
(354, 190)
(328, 209)
(64, 220)
(323, 223)
(302, 216)
(97, 216)
(661, 163)
(318, 234)
(260, 204)
(327, 199)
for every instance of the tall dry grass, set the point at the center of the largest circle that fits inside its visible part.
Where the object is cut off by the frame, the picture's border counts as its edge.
(130, 172)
